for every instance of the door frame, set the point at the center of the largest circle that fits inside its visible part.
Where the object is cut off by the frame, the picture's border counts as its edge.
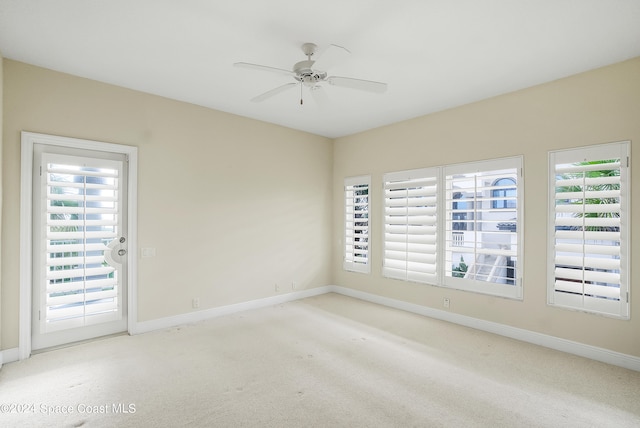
(28, 140)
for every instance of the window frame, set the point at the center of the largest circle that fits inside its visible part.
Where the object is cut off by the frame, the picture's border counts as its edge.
(512, 291)
(444, 217)
(585, 302)
(350, 262)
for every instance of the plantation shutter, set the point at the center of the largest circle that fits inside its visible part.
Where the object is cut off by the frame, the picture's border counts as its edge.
(410, 225)
(483, 226)
(589, 228)
(356, 245)
(81, 204)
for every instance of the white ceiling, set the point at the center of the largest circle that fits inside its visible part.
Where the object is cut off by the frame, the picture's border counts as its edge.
(434, 54)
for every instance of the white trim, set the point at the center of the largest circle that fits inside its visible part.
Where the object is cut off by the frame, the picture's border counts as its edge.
(26, 215)
(357, 180)
(192, 317)
(28, 139)
(587, 351)
(132, 236)
(9, 355)
(614, 309)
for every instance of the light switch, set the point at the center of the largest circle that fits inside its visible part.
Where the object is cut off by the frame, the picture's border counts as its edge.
(148, 252)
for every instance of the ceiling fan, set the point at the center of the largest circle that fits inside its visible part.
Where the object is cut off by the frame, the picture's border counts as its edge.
(312, 73)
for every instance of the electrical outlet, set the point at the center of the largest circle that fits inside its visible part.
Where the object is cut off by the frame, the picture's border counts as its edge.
(195, 303)
(277, 287)
(293, 285)
(446, 302)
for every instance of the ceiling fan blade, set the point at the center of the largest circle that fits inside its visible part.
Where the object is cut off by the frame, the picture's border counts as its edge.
(363, 85)
(330, 56)
(264, 67)
(273, 92)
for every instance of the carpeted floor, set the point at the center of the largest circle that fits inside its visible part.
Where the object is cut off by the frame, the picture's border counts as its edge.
(326, 361)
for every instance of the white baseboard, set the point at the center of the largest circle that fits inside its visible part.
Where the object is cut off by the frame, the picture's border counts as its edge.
(599, 354)
(593, 352)
(191, 317)
(9, 356)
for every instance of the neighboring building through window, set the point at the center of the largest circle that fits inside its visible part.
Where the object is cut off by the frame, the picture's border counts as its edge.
(462, 214)
(504, 193)
(356, 231)
(589, 229)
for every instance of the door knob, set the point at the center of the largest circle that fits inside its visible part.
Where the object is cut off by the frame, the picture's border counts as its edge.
(115, 252)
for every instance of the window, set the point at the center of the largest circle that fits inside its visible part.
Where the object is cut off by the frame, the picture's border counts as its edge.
(589, 229)
(81, 214)
(410, 203)
(482, 240)
(504, 192)
(356, 231)
(456, 226)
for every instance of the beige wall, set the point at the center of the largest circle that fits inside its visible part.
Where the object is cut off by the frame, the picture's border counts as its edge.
(232, 205)
(591, 108)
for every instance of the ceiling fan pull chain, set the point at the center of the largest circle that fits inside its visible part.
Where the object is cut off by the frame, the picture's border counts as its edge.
(301, 94)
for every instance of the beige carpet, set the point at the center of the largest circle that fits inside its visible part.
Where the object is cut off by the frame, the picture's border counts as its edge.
(327, 361)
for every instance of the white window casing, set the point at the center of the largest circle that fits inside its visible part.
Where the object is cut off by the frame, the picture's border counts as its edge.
(588, 254)
(29, 179)
(356, 245)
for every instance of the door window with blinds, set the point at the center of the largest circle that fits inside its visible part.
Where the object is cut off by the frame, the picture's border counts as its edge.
(410, 225)
(80, 215)
(356, 231)
(483, 226)
(589, 229)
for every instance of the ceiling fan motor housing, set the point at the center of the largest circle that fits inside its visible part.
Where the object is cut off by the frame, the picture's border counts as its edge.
(306, 75)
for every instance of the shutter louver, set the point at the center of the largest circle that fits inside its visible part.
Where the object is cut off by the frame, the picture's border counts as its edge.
(356, 247)
(81, 219)
(410, 226)
(588, 240)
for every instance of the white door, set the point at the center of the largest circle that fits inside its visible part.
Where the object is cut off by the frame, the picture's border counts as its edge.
(79, 245)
